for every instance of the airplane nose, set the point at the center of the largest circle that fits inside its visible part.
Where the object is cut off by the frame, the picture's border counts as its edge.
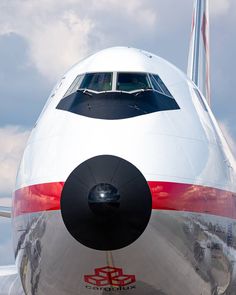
(106, 203)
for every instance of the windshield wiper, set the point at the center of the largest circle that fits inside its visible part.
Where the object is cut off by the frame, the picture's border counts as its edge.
(136, 93)
(87, 92)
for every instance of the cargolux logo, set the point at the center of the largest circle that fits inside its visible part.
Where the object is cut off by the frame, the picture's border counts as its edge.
(109, 276)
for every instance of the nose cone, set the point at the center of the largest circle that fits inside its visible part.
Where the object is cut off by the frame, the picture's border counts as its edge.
(106, 203)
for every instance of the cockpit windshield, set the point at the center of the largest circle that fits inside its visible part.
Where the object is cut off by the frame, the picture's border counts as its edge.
(132, 81)
(97, 82)
(118, 81)
(117, 95)
(92, 81)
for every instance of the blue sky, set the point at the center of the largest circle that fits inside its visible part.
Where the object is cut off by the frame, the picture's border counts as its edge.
(40, 40)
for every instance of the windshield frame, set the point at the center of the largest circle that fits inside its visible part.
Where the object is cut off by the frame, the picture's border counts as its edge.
(114, 84)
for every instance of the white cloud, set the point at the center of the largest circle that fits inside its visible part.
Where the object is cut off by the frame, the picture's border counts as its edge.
(219, 7)
(134, 8)
(58, 32)
(12, 142)
(66, 39)
(56, 35)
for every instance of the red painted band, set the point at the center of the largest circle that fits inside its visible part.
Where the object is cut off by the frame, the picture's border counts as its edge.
(192, 198)
(165, 196)
(38, 197)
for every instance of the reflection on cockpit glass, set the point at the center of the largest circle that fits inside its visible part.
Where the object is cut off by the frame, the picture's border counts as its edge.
(162, 85)
(93, 81)
(75, 85)
(132, 81)
(97, 82)
(123, 82)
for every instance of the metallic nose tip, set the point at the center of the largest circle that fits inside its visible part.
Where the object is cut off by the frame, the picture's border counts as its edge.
(106, 203)
(104, 199)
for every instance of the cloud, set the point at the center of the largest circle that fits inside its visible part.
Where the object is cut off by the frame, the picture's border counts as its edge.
(67, 40)
(12, 142)
(60, 34)
(57, 37)
(22, 86)
(136, 9)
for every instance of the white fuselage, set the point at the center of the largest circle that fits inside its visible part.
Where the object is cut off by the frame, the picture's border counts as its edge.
(188, 246)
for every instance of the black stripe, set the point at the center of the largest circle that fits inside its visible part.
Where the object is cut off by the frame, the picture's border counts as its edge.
(116, 105)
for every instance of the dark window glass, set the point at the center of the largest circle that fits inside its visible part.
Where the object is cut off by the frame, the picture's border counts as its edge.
(132, 81)
(155, 85)
(75, 85)
(97, 82)
(162, 85)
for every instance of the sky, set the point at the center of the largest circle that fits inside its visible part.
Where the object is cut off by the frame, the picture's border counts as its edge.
(40, 40)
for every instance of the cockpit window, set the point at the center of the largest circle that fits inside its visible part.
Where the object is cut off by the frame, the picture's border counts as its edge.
(117, 95)
(155, 85)
(97, 82)
(75, 85)
(132, 81)
(159, 85)
(126, 82)
(93, 81)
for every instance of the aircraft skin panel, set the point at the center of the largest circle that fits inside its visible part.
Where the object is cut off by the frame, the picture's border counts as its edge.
(158, 133)
(202, 130)
(190, 248)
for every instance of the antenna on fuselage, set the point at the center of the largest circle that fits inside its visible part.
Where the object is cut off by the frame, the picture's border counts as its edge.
(199, 54)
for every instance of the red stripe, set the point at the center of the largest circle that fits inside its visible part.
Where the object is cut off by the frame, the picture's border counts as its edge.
(193, 198)
(39, 197)
(165, 196)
